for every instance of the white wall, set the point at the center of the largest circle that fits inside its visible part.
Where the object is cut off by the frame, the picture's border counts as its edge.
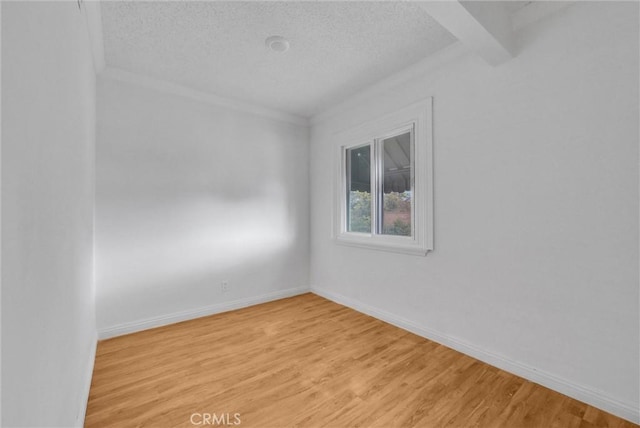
(48, 129)
(190, 194)
(536, 208)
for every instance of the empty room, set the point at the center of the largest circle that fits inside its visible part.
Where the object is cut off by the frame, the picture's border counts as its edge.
(320, 214)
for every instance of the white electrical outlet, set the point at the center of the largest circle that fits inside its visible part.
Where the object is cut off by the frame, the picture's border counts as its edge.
(224, 286)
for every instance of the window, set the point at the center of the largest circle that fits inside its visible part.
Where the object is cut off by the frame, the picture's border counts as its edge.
(385, 187)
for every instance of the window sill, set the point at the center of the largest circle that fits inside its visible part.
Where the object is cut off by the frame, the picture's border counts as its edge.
(391, 244)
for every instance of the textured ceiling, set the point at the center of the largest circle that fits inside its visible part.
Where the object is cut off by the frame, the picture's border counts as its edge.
(337, 48)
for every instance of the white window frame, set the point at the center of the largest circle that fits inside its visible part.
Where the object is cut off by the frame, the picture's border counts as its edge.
(418, 118)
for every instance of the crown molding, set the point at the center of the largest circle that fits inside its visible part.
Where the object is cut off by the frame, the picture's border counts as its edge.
(425, 66)
(526, 16)
(119, 75)
(536, 11)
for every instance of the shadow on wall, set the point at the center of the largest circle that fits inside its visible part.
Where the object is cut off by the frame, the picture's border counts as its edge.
(192, 245)
(189, 195)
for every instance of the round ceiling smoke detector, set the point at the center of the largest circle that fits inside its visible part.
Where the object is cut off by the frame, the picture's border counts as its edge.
(277, 43)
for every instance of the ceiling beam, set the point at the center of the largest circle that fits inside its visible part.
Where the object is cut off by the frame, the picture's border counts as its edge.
(483, 26)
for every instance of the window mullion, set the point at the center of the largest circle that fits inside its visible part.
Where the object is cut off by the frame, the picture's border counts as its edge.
(414, 195)
(347, 185)
(374, 193)
(379, 176)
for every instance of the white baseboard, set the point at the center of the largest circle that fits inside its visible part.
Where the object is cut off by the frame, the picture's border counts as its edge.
(145, 324)
(86, 386)
(599, 399)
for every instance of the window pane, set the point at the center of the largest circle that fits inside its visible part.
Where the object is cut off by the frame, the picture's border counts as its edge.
(359, 189)
(397, 192)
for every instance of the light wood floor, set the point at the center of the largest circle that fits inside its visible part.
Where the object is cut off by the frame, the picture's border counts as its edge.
(308, 362)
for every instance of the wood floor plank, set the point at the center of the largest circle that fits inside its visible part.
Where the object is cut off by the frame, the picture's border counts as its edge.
(308, 362)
